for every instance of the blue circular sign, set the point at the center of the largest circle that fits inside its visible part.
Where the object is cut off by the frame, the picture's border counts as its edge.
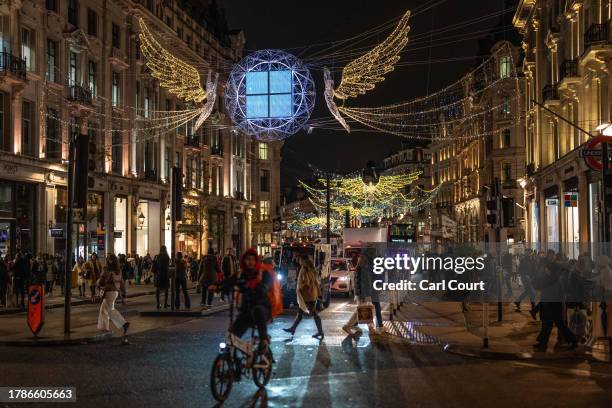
(35, 297)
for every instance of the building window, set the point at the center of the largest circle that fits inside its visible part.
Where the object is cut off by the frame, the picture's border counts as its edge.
(264, 210)
(92, 23)
(167, 161)
(507, 172)
(189, 172)
(51, 5)
(116, 91)
(27, 128)
(263, 151)
(73, 12)
(147, 103)
(51, 60)
(53, 149)
(28, 48)
(505, 66)
(116, 36)
(506, 106)
(269, 94)
(92, 77)
(507, 142)
(73, 73)
(117, 153)
(264, 180)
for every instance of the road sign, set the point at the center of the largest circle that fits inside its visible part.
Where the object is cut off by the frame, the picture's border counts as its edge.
(591, 152)
(277, 225)
(36, 308)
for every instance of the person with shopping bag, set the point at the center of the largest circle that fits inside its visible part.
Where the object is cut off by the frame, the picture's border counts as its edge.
(364, 294)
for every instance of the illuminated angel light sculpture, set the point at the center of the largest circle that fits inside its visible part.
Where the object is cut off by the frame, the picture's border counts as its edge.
(177, 76)
(270, 95)
(362, 74)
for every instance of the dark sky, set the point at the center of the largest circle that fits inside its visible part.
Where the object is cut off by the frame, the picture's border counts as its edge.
(294, 25)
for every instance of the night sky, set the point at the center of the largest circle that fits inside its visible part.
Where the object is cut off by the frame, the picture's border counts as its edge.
(294, 25)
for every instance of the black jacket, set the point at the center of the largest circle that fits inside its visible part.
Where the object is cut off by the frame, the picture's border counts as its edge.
(161, 271)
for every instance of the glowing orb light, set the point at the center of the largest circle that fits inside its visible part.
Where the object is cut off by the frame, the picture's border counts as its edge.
(270, 95)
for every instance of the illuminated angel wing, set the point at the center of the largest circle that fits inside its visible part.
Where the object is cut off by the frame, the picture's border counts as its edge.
(180, 78)
(361, 75)
(211, 97)
(329, 99)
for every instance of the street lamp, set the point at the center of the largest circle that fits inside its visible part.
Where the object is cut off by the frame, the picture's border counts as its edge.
(605, 129)
(141, 220)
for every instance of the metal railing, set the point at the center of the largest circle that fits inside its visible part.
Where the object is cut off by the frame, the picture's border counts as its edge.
(550, 93)
(192, 141)
(568, 69)
(13, 64)
(597, 33)
(79, 94)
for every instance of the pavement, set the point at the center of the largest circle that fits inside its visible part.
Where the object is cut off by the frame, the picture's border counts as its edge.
(170, 366)
(446, 325)
(140, 299)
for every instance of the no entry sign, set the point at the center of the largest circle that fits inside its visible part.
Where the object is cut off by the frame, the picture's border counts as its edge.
(36, 308)
(591, 152)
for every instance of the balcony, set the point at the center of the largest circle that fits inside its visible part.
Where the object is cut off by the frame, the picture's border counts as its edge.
(216, 150)
(597, 34)
(80, 95)
(12, 65)
(192, 141)
(550, 93)
(568, 69)
(150, 175)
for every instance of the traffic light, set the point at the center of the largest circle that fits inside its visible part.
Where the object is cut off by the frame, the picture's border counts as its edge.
(492, 212)
(177, 193)
(80, 171)
(608, 189)
(508, 212)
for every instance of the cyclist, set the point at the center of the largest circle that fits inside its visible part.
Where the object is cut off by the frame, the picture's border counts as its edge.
(254, 284)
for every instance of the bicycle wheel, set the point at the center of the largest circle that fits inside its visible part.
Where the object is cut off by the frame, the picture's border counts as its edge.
(262, 368)
(221, 377)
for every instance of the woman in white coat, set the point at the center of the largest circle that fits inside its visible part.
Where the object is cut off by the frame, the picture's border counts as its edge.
(111, 282)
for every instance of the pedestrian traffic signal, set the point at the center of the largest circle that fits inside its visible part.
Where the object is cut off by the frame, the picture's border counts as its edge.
(508, 220)
(177, 193)
(80, 171)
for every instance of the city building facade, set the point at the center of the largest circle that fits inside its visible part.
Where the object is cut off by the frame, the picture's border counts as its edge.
(470, 154)
(568, 60)
(74, 67)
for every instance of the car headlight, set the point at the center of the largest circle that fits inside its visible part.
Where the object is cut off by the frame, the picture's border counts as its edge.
(222, 346)
(279, 276)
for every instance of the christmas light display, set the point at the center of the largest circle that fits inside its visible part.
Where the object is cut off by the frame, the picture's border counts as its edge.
(302, 222)
(174, 74)
(270, 95)
(211, 98)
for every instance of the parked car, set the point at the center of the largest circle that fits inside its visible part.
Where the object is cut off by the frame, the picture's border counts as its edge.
(342, 277)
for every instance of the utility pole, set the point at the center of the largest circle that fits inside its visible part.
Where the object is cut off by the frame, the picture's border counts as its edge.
(69, 216)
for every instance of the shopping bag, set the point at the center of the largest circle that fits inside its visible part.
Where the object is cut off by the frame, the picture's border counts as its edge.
(365, 313)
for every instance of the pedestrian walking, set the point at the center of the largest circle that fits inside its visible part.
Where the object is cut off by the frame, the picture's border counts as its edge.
(208, 277)
(147, 265)
(93, 273)
(551, 308)
(308, 290)
(364, 291)
(111, 283)
(229, 265)
(79, 269)
(181, 282)
(526, 265)
(161, 276)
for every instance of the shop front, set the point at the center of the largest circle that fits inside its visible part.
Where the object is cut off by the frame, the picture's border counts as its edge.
(17, 217)
(148, 227)
(89, 231)
(120, 225)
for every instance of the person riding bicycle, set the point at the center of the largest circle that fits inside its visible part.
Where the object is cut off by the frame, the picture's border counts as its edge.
(254, 284)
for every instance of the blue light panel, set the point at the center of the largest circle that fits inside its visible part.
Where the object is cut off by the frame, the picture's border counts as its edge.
(281, 106)
(280, 82)
(257, 106)
(257, 82)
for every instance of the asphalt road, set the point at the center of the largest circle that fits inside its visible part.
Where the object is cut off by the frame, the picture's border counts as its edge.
(170, 366)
